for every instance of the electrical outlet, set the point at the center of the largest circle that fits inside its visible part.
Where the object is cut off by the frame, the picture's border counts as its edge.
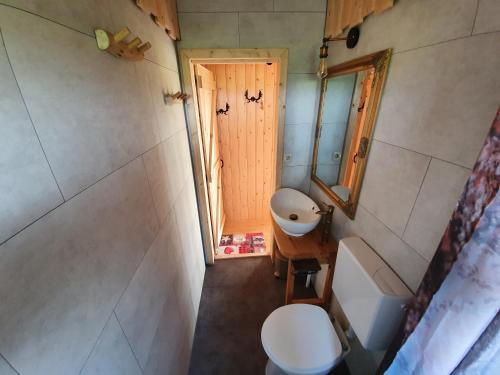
(336, 155)
(288, 157)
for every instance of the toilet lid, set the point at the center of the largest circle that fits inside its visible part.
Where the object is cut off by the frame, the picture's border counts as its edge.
(300, 338)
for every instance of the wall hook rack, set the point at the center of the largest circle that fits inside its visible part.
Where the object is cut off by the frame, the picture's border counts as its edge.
(177, 97)
(222, 111)
(116, 45)
(253, 98)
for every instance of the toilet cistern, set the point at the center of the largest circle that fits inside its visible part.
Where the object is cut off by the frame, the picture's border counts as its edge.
(370, 294)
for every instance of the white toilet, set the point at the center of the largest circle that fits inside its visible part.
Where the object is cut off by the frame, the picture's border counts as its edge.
(301, 339)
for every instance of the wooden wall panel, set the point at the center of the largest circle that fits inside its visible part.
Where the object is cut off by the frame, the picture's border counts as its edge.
(247, 139)
(163, 13)
(343, 14)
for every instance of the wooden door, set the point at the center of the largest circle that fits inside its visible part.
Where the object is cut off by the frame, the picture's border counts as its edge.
(247, 139)
(207, 101)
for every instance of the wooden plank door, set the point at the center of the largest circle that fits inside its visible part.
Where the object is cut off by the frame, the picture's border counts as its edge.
(247, 139)
(207, 101)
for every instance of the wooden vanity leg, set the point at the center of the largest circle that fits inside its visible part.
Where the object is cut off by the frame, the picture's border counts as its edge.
(327, 289)
(290, 282)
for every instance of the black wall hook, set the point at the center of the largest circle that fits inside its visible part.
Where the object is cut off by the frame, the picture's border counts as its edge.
(222, 111)
(253, 98)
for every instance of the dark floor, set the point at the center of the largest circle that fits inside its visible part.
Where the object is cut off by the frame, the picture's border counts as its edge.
(238, 295)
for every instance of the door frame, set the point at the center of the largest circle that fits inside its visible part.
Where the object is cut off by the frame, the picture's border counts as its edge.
(188, 59)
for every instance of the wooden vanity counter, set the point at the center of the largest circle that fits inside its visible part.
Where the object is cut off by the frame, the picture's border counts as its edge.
(306, 247)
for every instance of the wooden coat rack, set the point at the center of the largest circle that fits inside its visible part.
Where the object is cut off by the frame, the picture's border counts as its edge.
(176, 97)
(118, 47)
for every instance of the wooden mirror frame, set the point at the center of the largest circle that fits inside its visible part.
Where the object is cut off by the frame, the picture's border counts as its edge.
(379, 62)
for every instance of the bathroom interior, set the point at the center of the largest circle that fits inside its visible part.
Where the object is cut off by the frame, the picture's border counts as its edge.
(264, 187)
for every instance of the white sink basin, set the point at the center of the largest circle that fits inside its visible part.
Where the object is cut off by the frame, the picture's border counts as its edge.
(294, 212)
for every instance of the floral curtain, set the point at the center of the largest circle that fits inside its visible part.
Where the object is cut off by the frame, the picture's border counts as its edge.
(450, 323)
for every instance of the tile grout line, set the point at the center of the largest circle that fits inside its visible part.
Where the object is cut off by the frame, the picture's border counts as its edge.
(238, 26)
(86, 188)
(156, 125)
(390, 230)
(445, 41)
(113, 311)
(421, 153)
(29, 116)
(161, 65)
(118, 302)
(9, 364)
(128, 342)
(475, 17)
(46, 19)
(150, 190)
(95, 344)
(416, 198)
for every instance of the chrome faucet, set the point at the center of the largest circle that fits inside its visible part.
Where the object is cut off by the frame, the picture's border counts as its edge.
(326, 222)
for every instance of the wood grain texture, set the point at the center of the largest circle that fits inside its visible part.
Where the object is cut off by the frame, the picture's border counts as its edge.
(163, 13)
(344, 14)
(207, 98)
(247, 138)
(189, 59)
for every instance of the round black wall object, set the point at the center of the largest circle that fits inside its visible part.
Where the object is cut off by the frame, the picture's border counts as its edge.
(352, 37)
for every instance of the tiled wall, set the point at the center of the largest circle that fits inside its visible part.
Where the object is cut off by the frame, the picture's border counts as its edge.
(296, 25)
(101, 262)
(441, 95)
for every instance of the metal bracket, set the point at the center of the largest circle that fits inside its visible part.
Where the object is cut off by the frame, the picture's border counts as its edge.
(222, 111)
(253, 98)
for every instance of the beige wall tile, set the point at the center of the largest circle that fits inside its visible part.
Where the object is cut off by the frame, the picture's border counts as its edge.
(27, 188)
(61, 277)
(168, 166)
(392, 180)
(84, 103)
(224, 5)
(171, 346)
(442, 187)
(296, 177)
(301, 33)
(80, 15)
(209, 30)
(112, 354)
(162, 189)
(170, 116)
(488, 16)
(410, 24)
(5, 369)
(404, 260)
(302, 99)
(440, 100)
(188, 229)
(141, 305)
(299, 141)
(300, 5)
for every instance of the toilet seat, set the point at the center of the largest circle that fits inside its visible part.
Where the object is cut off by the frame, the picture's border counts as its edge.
(300, 339)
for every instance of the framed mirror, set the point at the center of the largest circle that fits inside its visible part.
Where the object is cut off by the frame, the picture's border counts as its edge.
(350, 95)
